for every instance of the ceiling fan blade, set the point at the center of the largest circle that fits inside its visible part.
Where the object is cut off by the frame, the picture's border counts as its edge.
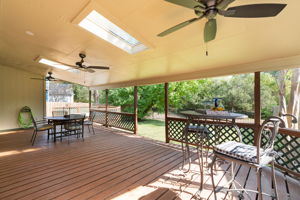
(254, 10)
(97, 67)
(210, 30)
(88, 70)
(223, 4)
(178, 26)
(187, 3)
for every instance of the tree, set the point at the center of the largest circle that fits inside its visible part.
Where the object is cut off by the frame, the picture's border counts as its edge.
(294, 102)
(81, 93)
(96, 96)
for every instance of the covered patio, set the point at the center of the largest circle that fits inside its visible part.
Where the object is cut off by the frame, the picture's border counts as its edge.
(41, 40)
(112, 165)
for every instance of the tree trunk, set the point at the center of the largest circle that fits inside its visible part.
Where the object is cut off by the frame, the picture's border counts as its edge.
(281, 86)
(294, 102)
(96, 96)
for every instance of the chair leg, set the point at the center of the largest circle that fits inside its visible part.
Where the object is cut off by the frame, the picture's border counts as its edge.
(274, 180)
(93, 129)
(212, 176)
(258, 177)
(183, 155)
(200, 158)
(34, 136)
(48, 132)
(89, 128)
(188, 157)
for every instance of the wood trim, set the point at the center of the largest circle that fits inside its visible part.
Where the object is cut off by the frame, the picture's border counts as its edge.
(288, 170)
(291, 132)
(90, 101)
(135, 109)
(118, 113)
(106, 107)
(243, 125)
(257, 106)
(166, 112)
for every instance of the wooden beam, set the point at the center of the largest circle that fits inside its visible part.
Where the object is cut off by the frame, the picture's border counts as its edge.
(166, 112)
(90, 101)
(135, 109)
(106, 107)
(257, 106)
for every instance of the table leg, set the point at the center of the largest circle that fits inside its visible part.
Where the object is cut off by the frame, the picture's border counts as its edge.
(54, 132)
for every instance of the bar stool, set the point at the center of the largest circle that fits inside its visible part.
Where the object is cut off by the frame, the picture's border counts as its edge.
(195, 133)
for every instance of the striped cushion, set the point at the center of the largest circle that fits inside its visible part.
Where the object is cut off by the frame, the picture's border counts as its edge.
(241, 151)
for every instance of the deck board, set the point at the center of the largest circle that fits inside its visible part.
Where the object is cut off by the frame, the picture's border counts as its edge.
(112, 165)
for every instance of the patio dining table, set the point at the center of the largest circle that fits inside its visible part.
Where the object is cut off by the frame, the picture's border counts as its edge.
(229, 116)
(58, 120)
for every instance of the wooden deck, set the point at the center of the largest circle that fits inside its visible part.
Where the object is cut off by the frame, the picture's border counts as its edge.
(111, 165)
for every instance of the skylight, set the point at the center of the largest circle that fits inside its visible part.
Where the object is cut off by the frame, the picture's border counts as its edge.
(105, 29)
(57, 65)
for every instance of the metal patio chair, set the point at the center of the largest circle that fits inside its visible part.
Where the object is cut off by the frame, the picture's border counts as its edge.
(40, 125)
(89, 123)
(74, 126)
(257, 157)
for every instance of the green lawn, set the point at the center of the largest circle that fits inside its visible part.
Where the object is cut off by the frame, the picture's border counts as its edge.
(153, 129)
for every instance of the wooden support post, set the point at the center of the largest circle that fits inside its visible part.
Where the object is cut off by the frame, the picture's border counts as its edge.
(106, 107)
(257, 106)
(90, 101)
(135, 109)
(166, 111)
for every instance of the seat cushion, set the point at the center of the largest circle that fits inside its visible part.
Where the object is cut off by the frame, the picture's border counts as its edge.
(43, 127)
(73, 127)
(88, 122)
(198, 129)
(243, 152)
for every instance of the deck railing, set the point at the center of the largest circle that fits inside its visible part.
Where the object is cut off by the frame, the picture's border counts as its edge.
(115, 119)
(287, 143)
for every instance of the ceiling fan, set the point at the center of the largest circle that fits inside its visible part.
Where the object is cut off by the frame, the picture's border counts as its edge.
(210, 8)
(47, 78)
(81, 66)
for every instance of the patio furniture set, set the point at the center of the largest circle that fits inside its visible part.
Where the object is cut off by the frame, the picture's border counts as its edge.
(63, 125)
(202, 128)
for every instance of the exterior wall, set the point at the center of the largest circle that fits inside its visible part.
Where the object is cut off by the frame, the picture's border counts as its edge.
(18, 90)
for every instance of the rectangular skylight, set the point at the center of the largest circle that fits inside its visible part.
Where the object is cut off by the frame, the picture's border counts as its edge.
(57, 65)
(105, 29)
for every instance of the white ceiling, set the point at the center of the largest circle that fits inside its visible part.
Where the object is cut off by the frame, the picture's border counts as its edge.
(241, 45)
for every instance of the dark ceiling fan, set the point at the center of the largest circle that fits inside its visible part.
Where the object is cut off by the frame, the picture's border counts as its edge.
(210, 8)
(81, 66)
(47, 78)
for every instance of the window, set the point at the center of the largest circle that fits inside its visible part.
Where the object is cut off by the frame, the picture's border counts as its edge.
(105, 29)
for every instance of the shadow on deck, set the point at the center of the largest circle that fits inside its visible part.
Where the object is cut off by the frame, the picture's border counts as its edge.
(112, 165)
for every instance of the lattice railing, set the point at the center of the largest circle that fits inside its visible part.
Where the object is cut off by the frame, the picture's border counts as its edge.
(287, 143)
(99, 117)
(115, 119)
(124, 121)
(288, 147)
(228, 133)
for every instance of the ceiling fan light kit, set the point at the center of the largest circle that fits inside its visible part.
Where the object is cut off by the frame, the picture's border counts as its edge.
(211, 8)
